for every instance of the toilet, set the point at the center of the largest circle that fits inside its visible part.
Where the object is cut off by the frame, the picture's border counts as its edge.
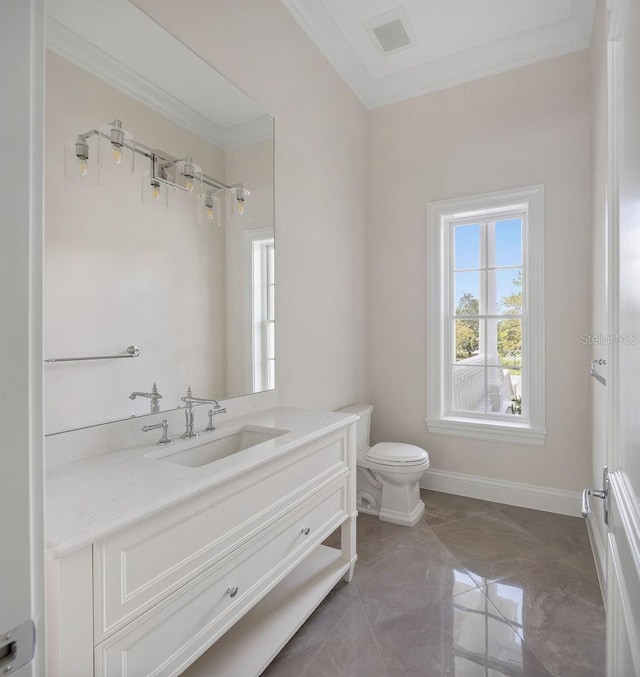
(388, 476)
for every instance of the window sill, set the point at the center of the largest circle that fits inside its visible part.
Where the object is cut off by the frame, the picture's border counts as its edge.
(489, 431)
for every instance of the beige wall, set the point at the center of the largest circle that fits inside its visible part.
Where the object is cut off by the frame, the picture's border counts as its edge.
(118, 273)
(321, 169)
(520, 128)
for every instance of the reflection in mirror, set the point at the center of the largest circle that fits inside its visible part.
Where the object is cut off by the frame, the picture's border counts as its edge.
(161, 236)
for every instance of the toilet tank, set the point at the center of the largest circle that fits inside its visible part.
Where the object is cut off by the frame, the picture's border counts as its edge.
(364, 424)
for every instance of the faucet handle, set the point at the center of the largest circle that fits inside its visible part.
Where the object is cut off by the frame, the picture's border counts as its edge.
(211, 427)
(165, 439)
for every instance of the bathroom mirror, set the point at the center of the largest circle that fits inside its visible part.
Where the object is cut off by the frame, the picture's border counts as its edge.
(159, 232)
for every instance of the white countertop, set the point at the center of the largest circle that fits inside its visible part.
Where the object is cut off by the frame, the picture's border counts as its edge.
(91, 499)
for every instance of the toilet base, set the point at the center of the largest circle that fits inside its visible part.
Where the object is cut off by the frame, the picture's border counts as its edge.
(406, 519)
(397, 503)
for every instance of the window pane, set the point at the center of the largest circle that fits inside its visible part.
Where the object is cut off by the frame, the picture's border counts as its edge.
(507, 342)
(271, 302)
(270, 264)
(271, 374)
(500, 390)
(467, 246)
(516, 382)
(466, 295)
(468, 389)
(466, 336)
(508, 242)
(508, 291)
(271, 342)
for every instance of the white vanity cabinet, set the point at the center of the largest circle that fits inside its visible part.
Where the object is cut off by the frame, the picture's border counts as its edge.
(231, 573)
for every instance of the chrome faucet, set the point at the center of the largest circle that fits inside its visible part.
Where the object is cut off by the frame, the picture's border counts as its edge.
(154, 396)
(189, 401)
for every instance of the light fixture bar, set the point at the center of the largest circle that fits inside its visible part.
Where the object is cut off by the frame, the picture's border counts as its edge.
(151, 154)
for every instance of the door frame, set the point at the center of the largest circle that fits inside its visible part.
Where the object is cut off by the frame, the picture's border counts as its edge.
(21, 397)
(623, 538)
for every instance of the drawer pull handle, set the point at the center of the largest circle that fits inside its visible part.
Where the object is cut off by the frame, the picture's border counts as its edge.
(233, 591)
(305, 531)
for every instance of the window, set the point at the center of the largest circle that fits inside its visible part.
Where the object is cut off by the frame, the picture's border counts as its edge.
(261, 358)
(486, 318)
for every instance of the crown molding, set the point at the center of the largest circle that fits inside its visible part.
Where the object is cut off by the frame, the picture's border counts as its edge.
(528, 47)
(252, 131)
(319, 25)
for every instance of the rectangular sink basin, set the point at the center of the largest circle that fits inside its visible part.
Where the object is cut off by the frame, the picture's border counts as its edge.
(207, 451)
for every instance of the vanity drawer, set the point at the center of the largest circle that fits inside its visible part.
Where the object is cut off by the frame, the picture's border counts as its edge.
(168, 638)
(138, 567)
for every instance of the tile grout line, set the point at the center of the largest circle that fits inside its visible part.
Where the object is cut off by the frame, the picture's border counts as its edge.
(373, 634)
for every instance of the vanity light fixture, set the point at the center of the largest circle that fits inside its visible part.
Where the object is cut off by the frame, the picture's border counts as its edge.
(81, 159)
(155, 194)
(239, 203)
(188, 180)
(117, 148)
(209, 207)
(114, 148)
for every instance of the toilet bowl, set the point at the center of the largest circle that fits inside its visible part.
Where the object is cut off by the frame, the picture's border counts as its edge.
(388, 474)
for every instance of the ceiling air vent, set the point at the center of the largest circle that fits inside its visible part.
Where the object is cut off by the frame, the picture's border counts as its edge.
(391, 31)
(392, 35)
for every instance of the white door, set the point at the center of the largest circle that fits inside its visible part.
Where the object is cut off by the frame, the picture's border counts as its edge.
(21, 495)
(623, 455)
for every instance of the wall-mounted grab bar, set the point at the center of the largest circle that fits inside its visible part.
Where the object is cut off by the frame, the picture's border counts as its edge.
(595, 374)
(132, 351)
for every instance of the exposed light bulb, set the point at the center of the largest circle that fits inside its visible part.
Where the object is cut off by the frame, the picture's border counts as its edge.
(154, 193)
(82, 156)
(116, 152)
(210, 207)
(83, 166)
(188, 183)
(240, 200)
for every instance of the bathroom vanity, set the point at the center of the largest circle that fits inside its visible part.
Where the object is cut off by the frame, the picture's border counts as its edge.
(158, 555)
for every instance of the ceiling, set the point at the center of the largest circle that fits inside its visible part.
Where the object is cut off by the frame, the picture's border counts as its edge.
(451, 41)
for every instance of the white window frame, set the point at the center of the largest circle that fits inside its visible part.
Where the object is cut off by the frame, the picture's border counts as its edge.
(530, 427)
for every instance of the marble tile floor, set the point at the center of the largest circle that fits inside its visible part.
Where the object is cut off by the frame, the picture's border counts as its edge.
(475, 589)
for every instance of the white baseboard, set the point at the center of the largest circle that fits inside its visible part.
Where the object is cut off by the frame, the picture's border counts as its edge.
(599, 556)
(510, 493)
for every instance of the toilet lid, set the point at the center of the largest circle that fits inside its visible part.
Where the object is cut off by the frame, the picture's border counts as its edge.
(395, 453)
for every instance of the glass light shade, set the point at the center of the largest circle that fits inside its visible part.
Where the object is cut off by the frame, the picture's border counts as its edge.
(81, 160)
(209, 208)
(117, 149)
(188, 180)
(239, 204)
(155, 194)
